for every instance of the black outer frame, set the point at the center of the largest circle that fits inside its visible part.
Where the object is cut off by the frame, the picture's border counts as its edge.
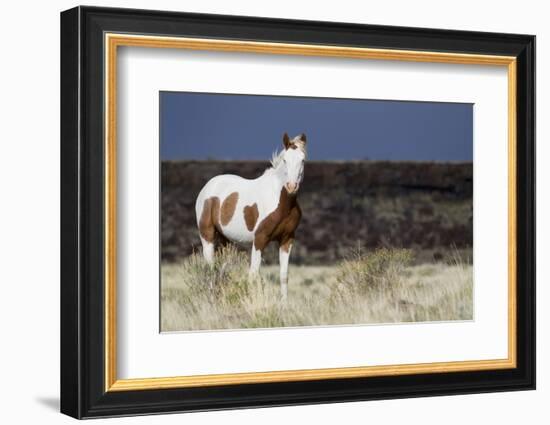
(82, 216)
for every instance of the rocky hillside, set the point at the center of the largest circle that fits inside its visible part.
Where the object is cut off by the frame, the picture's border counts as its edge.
(419, 205)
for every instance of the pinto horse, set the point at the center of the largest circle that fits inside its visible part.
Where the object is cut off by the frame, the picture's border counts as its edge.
(255, 211)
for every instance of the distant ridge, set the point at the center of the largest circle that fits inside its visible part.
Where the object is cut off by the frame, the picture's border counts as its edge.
(422, 205)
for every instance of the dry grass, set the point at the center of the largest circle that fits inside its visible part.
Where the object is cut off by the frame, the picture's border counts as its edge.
(373, 287)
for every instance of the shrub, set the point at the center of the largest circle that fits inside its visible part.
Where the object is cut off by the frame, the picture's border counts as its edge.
(378, 271)
(225, 279)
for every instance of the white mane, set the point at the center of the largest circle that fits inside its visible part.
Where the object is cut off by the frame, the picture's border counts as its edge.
(276, 158)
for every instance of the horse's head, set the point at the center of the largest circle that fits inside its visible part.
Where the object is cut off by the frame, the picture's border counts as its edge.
(294, 157)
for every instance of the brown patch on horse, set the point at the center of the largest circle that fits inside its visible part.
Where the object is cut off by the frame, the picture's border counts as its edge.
(280, 224)
(228, 208)
(251, 216)
(298, 142)
(209, 221)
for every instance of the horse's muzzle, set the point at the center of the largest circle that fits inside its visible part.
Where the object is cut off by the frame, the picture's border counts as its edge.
(291, 188)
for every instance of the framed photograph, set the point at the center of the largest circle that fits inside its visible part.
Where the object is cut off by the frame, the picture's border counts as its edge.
(261, 212)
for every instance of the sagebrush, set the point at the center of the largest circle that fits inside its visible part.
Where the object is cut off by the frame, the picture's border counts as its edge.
(378, 286)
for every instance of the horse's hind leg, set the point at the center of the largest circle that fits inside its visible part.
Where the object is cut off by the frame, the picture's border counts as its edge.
(207, 250)
(207, 228)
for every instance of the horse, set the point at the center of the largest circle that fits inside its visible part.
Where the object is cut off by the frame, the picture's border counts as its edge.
(255, 211)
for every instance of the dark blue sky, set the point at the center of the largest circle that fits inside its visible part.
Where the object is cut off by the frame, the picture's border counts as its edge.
(219, 126)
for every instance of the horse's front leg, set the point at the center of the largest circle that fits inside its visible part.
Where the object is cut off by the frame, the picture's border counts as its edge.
(284, 254)
(255, 261)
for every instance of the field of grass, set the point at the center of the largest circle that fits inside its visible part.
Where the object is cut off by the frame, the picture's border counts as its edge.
(380, 286)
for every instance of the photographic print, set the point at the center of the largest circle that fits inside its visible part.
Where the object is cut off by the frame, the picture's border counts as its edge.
(262, 184)
(301, 211)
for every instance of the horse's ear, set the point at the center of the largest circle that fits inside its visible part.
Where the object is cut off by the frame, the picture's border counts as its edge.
(286, 141)
(303, 138)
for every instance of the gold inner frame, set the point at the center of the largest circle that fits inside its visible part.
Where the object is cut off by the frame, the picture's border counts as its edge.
(113, 41)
